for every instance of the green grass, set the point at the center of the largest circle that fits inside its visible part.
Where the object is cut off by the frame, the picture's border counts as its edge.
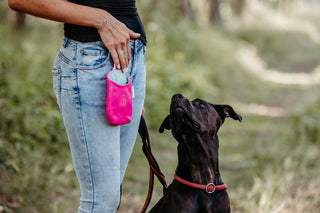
(269, 163)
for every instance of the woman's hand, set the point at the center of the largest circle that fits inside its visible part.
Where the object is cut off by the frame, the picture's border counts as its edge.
(116, 37)
(143, 112)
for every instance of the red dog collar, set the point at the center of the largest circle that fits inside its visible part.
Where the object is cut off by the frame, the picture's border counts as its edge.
(210, 187)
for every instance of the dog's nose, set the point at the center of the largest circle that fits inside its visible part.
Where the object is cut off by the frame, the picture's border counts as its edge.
(176, 97)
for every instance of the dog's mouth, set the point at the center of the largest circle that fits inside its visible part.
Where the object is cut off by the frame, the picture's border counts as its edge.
(178, 113)
(182, 116)
(179, 109)
(181, 119)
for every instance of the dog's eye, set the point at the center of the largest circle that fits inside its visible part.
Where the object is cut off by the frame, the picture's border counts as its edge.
(199, 103)
(202, 105)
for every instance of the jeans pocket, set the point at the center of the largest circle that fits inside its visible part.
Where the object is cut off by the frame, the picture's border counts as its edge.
(56, 73)
(93, 57)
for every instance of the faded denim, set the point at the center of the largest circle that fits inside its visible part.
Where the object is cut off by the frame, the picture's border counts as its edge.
(100, 152)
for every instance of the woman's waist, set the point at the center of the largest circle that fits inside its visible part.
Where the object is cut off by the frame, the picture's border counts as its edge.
(89, 34)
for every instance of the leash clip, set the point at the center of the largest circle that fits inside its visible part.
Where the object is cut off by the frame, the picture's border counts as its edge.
(209, 188)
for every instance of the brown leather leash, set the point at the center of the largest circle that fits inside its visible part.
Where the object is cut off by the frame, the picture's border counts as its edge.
(154, 167)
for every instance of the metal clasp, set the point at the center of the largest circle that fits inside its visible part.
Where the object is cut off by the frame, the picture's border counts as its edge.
(211, 191)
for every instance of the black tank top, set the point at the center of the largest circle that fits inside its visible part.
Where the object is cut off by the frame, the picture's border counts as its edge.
(123, 10)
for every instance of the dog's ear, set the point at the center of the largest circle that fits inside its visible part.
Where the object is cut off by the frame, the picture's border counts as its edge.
(165, 124)
(227, 111)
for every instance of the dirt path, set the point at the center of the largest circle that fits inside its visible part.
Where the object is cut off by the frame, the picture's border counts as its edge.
(249, 58)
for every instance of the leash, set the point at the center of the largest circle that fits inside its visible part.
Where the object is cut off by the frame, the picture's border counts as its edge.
(154, 167)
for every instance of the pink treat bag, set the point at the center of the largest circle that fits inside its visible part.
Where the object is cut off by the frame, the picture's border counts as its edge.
(119, 97)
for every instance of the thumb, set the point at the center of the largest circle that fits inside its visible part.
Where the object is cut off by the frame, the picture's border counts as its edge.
(133, 34)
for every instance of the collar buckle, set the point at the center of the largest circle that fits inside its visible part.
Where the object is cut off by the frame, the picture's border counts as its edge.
(210, 188)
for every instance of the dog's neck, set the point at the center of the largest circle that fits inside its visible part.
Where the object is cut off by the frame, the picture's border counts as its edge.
(199, 165)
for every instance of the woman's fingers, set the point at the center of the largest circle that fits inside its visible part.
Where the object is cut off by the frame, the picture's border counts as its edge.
(115, 57)
(119, 56)
(133, 34)
(116, 37)
(123, 56)
(128, 49)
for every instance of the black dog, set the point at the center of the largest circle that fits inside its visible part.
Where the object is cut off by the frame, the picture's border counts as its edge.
(197, 187)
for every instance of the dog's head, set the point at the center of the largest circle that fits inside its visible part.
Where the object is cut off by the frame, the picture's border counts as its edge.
(197, 116)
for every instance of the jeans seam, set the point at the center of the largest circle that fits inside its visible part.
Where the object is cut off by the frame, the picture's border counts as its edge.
(65, 59)
(86, 143)
(57, 88)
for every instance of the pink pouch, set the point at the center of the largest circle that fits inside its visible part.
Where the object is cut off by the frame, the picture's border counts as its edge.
(119, 97)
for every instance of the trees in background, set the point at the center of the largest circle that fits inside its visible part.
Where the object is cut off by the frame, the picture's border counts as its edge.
(210, 11)
(237, 7)
(17, 19)
(205, 11)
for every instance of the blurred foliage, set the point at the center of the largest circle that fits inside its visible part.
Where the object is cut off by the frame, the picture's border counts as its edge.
(32, 134)
(291, 43)
(306, 123)
(28, 110)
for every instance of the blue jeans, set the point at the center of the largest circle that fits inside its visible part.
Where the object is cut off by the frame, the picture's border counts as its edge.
(100, 152)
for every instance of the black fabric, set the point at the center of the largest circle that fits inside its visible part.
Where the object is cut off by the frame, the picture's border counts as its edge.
(123, 10)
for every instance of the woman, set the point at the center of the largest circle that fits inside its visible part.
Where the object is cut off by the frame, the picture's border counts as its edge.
(99, 34)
